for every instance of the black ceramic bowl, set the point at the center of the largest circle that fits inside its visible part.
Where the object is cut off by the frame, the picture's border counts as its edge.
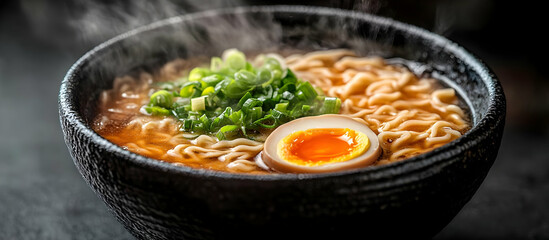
(156, 200)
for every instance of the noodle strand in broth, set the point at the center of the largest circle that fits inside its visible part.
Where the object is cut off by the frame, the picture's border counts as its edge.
(410, 115)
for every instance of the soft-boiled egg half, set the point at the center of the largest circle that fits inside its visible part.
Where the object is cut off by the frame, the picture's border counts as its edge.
(324, 143)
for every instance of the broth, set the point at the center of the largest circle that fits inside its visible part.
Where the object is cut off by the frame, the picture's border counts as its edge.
(410, 114)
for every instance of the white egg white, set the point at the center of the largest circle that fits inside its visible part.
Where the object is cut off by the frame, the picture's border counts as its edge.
(270, 156)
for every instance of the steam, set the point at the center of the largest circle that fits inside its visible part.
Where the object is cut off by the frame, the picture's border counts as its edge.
(462, 15)
(368, 6)
(82, 24)
(95, 22)
(78, 25)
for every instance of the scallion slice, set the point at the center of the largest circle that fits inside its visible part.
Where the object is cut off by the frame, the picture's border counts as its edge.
(232, 98)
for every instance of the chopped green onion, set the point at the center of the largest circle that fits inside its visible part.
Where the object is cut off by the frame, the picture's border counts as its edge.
(243, 99)
(187, 125)
(319, 91)
(306, 91)
(234, 59)
(198, 73)
(222, 85)
(245, 78)
(198, 126)
(268, 118)
(276, 114)
(254, 114)
(227, 112)
(208, 90)
(264, 77)
(236, 117)
(198, 104)
(288, 95)
(216, 64)
(331, 105)
(188, 89)
(157, 111)
(231, 98)
(205, 121)
(187, 107)
(226, 132)
(281, 106)
(305, 109)
(162, 98)
(251, 103)
(235, 90)
(212, 80)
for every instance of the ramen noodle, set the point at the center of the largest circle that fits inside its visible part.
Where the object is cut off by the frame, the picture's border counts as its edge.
(409, 114)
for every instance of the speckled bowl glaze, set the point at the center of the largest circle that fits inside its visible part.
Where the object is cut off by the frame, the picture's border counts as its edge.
(414, 198)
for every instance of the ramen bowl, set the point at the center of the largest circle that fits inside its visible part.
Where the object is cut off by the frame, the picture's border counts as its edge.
(413, 198)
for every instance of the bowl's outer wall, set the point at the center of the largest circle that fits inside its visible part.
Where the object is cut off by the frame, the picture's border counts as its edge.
(414, 198)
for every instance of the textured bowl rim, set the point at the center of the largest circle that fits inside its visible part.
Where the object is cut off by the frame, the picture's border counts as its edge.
(436, 157)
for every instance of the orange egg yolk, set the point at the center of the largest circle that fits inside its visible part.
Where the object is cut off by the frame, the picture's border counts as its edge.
(319, 146)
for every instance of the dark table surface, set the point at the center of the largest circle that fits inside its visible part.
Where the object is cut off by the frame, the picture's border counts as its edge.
(42, 196)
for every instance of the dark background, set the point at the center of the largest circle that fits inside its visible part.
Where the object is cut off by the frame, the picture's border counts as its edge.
(42, 196)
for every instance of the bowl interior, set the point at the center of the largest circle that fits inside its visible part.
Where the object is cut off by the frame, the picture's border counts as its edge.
(277, 28)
